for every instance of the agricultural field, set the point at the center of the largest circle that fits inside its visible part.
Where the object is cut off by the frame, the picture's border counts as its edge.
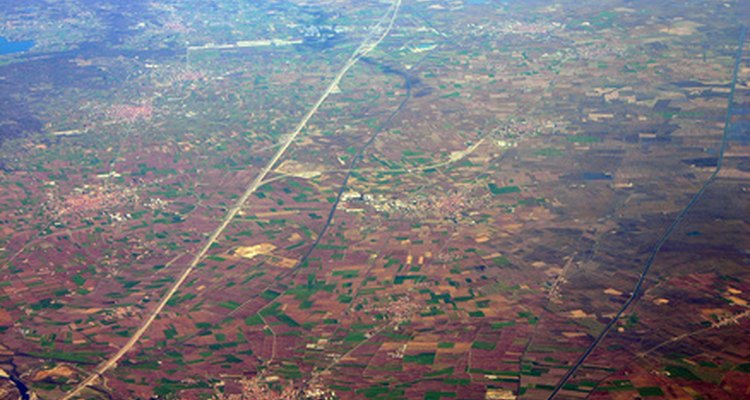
(331, 199)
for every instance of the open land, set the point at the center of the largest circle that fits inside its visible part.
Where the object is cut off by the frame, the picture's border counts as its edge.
(375, 200)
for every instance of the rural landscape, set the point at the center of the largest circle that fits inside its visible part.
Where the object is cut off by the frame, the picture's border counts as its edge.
(376, 199)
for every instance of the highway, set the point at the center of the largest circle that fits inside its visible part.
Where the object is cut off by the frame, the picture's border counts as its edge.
(375, 37)
(666, 235)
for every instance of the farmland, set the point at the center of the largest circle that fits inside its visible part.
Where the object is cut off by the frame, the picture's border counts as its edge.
(491, 201)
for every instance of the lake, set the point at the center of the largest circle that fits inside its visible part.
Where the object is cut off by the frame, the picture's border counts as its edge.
(7, 47)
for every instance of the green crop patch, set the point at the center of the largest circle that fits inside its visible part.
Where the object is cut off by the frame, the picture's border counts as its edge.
(421, 358)
(290, 371)
(346, 274)
(296, 245)
(353, 337)
(231, 305)
(271, 310)
(618, 385)
(650, 391)
(676, 371)
(78, 279)
(400, 279)
(499, 190)
(145, 365)
(287, 320)
(170, 332)
(501, 325)
(549, 152)
(483, 345)
(331, 247)
(269, 294)
(77, 357)
(381, 392)
(232, 359)
(46, 304)
(501, 261)
(444, 371)
(438, 395)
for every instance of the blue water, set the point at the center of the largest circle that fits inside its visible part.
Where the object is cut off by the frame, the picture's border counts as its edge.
(7, 47)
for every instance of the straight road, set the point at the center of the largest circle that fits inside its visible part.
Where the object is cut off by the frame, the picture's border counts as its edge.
(681, 216)
(377, 35)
